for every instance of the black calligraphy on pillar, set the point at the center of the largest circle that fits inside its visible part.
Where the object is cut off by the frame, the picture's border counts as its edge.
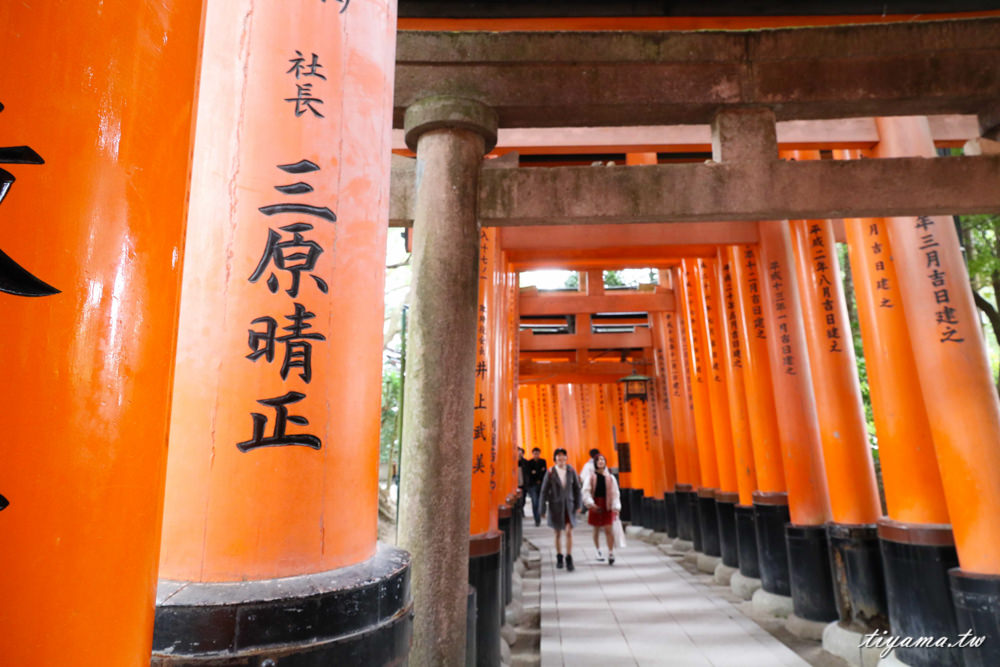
(882, 283)
(298, 254)
(756, 307)
(946, 317)
(278, 437)
(777, 285)
(493, 455)
(14, 278)
(305, 100)
(343, 2)
(298, 348)
(824, 271)
(734, 325)
(711, 330)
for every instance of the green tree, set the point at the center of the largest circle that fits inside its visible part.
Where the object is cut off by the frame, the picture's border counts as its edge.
(980, 235)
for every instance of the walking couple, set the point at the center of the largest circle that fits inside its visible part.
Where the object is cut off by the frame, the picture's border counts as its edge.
(564, 492)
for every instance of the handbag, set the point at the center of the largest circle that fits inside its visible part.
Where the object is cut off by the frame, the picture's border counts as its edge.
(619, 532)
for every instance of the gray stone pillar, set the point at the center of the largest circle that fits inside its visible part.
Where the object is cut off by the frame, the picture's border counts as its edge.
(450, 136)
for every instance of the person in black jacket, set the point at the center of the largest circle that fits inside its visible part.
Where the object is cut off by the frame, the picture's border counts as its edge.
(533, 471)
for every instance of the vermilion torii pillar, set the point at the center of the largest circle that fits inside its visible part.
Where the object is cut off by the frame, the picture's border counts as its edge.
(727, 496)
(700, 378)
(746, 477)
(270, 508)
(485, 540)
(95, 112)
(682, 421)
(770, 498)
(450, 136)
(957, 384)
(915, 538)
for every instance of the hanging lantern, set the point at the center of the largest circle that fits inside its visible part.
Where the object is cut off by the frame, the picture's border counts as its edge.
(635, 386)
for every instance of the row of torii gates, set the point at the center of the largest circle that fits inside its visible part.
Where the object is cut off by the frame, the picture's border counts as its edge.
(193, 254)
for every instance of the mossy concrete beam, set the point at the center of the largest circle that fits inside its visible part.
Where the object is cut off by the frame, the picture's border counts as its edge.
(563, 79)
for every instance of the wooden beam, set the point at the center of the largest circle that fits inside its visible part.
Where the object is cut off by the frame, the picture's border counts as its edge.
(530, 372)
(612, 302)
(562, 79)
(587, 340)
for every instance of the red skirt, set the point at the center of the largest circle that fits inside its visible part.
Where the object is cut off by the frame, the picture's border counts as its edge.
(599, 514)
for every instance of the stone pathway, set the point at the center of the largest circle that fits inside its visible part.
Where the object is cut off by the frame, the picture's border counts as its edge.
(646, 609)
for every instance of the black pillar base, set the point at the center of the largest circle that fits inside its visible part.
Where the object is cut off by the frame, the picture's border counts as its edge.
(746, 541)
(810, 573)
(916, 559)
(648, 513)
(660, 515)
(977, 608)
(858, 579)
(685, 517)
(356, 615)
(670, 514)
(725, 507)
(770, 516)
(470, 628)
(696, 541)
(626, 498)
(505, 523)
(485, 570)
(709, 520)
(636, 499)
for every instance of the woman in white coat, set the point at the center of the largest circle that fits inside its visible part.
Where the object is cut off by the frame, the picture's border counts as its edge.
(603, 500)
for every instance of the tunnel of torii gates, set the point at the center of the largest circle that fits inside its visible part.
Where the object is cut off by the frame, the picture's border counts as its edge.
(194, 249)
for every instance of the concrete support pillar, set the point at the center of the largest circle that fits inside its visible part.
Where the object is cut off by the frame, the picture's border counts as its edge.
(270, 518)
(450, 137)
(962, 405)
(96, 118)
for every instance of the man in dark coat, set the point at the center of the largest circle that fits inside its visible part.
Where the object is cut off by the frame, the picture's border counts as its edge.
(561, 501)
(533, 472)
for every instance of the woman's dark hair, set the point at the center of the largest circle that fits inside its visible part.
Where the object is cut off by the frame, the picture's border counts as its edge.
(558, 452)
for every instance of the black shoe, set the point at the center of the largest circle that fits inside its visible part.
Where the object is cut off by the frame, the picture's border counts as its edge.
(559, 561)
(569, 563)
(611, 559)
(537, 523)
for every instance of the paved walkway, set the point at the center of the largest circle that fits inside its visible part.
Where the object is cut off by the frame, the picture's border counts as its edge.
(644, 610)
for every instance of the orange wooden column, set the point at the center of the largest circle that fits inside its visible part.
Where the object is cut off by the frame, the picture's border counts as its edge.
(957, 384)
(707, 540)
(746, 477)
(951, 361)
(810, 580)
(707, 463)
(713, 321)
(623, 447)
(605, 425)
(483, 516)
(761, 413)
(670, 394)
(770, 500)
(849, 472)
(682, 399)
(274, 429)
(96, 117)
(798, 428)
(913, 492)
